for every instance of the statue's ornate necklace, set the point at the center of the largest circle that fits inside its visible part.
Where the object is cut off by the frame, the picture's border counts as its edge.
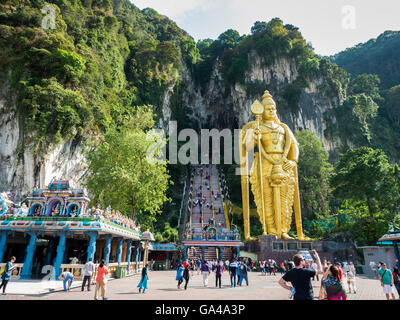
(274, 131)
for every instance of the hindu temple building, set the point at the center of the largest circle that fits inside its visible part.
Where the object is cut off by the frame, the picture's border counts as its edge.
(60, 230)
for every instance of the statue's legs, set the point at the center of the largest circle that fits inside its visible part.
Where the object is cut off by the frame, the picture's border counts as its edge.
(269, 207)
(287, 198)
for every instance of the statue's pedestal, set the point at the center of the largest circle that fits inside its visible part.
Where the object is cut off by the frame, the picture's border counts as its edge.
(269, 247)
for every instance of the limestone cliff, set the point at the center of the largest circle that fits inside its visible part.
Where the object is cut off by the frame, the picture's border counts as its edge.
(20, 169)
(216, 106)
(221, 106)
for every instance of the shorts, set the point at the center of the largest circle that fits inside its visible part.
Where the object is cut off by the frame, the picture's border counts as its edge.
(387, 289)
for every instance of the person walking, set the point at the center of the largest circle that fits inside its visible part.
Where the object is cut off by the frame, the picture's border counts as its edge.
(68, 279)
(243, 273)
(186, 275)
(191, 267)
(205, 270)
(283, 270)
(300, 278)
(143, 280)
(179, 275)
(396, 279)
(232, 272)
(291, 265)
(238, 272)
(101, 280)
(351, 277)
(332, 286)
(218, 273)
(386, 278)
(226, 265)
(262, 267)
(88, 269)
(198, 264)
(271, 267)
(6, 272)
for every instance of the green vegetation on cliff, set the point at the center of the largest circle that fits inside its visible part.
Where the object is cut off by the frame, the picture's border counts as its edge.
(379, 56)
(86, 75)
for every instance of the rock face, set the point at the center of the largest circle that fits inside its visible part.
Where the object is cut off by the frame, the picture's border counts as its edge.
(218, 106)
(20, 169)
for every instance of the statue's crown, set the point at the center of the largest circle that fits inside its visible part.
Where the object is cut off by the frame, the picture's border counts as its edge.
(267, 99)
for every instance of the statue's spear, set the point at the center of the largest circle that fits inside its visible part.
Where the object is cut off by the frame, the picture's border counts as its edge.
(257, 109)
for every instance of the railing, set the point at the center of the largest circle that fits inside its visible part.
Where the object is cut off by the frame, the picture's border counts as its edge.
(77, 269)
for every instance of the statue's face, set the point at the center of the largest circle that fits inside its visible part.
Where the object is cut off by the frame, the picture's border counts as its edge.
(270, 112)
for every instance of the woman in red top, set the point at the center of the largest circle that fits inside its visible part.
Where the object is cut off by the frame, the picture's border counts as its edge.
(101, 280)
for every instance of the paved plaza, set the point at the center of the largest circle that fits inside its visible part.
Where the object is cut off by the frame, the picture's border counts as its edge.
(162, 285)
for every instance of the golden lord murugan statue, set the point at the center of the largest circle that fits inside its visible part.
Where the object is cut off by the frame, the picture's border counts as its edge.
(273, 175)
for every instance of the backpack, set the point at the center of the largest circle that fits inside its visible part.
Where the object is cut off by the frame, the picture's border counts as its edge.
(3, 269)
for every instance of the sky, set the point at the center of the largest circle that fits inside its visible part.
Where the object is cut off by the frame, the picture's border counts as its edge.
(329, 25)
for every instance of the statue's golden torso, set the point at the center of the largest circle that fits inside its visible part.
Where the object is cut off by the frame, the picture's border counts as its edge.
(273, 138)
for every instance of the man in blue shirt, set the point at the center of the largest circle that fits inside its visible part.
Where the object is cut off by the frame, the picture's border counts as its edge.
(198, 264)
(232, 272)
(243, 273)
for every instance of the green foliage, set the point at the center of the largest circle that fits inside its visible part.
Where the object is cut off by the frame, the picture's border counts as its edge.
(120, 175)
(108, 53)
(314, 174)
(369, 186)
(366, 83)
(269, 39)
(53, 112)
(377, 56)
(357, 115)
(229, 39)
(360, 175)
(169, 235)
(392, 106)
(309, 67)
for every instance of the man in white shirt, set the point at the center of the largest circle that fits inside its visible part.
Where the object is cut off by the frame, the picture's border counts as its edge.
(88, 269)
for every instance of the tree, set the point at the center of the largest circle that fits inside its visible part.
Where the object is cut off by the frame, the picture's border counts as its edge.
(392, 105)
(230, 38)
(366, 83)
(361, 175)
(170, 234)
(120, 175)
(369, 187)
(314, 173)
(259, 26)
